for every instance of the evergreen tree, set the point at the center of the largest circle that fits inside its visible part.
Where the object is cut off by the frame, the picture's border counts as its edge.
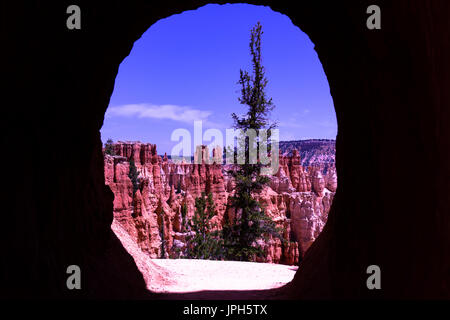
(251, 223)
(109, 147)
(161, 234)
(133, 175)
(183, 217)
(205, 243)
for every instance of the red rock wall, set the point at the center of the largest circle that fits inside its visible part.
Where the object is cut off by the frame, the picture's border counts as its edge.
(297, 199)
(390, 92)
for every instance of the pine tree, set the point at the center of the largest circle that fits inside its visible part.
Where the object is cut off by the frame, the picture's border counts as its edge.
(161, 234)
(251, 223)
(133, 175)
(183, 217)
(109, 147)
(205, 243)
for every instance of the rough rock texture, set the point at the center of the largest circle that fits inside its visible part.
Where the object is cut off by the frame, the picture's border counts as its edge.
(390, 92)
(311, 150)
(300, 211)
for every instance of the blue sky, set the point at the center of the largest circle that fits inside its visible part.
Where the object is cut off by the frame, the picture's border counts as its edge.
(186, 68)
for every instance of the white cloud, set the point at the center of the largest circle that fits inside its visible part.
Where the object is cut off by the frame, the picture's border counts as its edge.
(291, 123)
(166, 111)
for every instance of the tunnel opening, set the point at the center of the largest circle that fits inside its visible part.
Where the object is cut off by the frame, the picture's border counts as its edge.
(155, 197)
(388, 87)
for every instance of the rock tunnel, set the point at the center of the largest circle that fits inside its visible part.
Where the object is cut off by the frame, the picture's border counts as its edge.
(390, 91)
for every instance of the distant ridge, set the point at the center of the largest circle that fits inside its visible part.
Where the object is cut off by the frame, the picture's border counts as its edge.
(312, 151)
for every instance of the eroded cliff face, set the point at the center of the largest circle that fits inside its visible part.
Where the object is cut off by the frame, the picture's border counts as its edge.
(298, 199)
(312, 150)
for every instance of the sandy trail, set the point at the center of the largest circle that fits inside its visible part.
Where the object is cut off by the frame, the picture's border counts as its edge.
(195, 275)
(188, 275)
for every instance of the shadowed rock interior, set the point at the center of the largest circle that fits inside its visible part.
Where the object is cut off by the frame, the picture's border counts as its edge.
(390, 92)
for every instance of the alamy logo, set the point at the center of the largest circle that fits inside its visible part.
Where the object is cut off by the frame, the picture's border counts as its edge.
(74, 280)
(374, 20)
(258, 146)
(74, 20)
(374, 280)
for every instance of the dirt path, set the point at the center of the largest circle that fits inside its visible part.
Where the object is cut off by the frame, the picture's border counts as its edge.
(195, 275)
(186, 275)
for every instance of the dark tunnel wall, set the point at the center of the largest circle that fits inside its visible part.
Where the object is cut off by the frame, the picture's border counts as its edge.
(390, 91)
